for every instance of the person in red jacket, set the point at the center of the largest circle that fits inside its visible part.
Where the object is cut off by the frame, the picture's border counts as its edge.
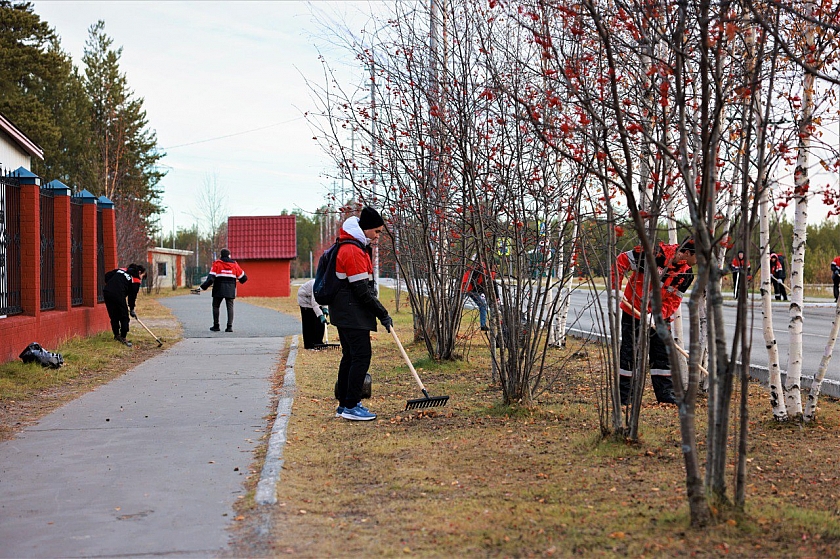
(120, 294)
(835, 275)
(354, 311)
(673, 269)
(224, 273)
(474, 285)
(777, 276)
(740, 265)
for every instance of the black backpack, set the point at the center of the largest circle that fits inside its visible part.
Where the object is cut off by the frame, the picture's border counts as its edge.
(326, 282)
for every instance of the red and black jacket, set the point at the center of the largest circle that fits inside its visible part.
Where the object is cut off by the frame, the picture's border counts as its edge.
(120, 284)
(355, 304)
(223, 276)
(675, 276)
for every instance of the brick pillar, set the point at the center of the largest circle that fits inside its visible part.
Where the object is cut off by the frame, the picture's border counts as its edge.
(30, 242)
(109, 226)
(63, 267)
(88, 248)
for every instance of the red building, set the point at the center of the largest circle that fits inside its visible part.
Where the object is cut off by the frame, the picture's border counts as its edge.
(264, 246)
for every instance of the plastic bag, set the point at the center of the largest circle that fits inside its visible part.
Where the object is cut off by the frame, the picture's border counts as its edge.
(34, 353)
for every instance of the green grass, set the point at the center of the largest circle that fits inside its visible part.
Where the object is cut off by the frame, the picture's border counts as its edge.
(28, 391)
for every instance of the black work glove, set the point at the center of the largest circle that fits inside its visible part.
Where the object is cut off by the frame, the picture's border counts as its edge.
(132, 313)
(387, 322)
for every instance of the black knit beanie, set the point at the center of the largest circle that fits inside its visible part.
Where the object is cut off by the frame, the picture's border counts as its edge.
(370, 219)
(225, 253)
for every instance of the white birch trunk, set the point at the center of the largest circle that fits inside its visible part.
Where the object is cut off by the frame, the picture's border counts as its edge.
(814, 394)
(793, 395)
(557, 333)
(677, 325)
(777, 400)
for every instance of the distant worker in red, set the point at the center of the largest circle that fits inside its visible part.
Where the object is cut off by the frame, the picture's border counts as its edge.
(740, 265)
(835, 275)
(120, 292)
(673, 268)
(778, 274)
(223, 276)
(474, 285)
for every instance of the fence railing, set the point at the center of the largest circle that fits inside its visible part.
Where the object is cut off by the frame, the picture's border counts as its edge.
(47, 250)
(10, 288)
(76, 253)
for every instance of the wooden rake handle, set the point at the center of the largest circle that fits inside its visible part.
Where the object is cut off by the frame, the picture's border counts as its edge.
(407, 360)
(685, 354)
(152, 334)
(676, 345)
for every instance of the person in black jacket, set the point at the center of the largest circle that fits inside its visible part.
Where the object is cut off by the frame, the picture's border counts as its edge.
(223, 276)
(120, 293)
(355, 309)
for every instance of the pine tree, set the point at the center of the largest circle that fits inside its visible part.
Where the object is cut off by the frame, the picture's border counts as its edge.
(41, 93)
(125, 149)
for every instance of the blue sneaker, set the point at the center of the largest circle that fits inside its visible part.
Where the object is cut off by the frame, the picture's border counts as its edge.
(339, 410)
(358, 414)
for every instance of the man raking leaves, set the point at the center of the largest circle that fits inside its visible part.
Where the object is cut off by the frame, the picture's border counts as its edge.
(354, 306)
(673, 267)
(120, 293)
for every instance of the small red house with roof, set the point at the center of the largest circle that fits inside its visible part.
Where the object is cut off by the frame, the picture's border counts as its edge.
(264, 246)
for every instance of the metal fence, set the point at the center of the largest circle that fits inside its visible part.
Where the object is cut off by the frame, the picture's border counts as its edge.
(47, 250)
(100, 257)
(10, 293)
(77, 261)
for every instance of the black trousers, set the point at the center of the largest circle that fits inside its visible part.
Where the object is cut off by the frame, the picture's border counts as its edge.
(313, 328)
(779, 288)
(736, 283)
(660, 365)
(836, 278)
(118, 313)
(355, 362)
(217, 302)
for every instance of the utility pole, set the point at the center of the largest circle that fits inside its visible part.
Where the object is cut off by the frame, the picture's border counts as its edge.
(373, 160)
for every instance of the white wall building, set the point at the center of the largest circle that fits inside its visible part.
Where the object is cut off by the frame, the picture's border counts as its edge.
(16, 150)
(167, 267)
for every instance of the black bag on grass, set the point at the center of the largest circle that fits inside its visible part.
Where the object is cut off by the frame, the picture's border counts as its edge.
(366, 387)
(34, 353)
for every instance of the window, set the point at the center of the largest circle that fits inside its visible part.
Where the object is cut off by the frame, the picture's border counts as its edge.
(161, 271)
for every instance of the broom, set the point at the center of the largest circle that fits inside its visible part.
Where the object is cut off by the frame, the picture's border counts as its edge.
(428, 401)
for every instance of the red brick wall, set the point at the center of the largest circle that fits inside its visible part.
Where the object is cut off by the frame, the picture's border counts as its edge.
(49, 328)
(266, 278)
(62, 268)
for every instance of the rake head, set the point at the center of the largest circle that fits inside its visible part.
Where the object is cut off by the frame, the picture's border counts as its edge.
(319, 347)
(427, 402)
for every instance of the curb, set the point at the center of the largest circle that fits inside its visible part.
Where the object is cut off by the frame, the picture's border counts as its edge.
(266, 493)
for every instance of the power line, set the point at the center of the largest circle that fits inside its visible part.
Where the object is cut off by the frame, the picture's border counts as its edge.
(232, 135)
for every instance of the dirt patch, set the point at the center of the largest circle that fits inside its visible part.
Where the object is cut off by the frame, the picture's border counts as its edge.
(474, 479)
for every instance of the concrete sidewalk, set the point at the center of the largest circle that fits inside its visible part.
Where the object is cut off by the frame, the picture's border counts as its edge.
(152, 463)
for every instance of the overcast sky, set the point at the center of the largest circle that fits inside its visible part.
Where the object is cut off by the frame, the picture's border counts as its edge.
(224, 89)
